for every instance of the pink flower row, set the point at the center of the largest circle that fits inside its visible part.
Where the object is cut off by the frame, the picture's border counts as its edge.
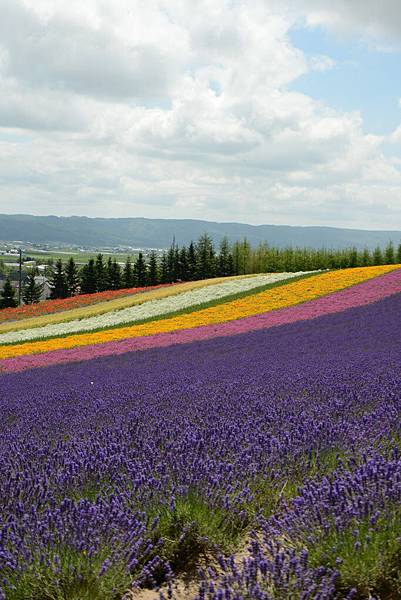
(358, 295)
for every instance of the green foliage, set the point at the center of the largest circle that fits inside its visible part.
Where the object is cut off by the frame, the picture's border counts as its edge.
(72, 277)
(377, 256)
(353, 258)
(89, 278)
(115, 275)
(200, 261)
(365, 259)
(32, 290)
(71, 575)
(205, 257)
(191, 258)
(225, 259)
(242, 257)
(389, 255)
(140, 271)
(172, 264)
(7, 298)
(128, 274)
(58, 282)
(183, 271)
(191, 529)
(269, 493)
(370, 555)
(153, 269)
(164, 274)
(102, 282)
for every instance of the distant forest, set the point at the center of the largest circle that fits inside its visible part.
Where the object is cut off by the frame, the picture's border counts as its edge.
(199, 260)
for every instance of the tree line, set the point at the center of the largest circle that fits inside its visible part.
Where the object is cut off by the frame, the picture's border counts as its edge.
(198, 260)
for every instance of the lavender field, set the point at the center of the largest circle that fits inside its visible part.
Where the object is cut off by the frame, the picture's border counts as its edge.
(265, 464)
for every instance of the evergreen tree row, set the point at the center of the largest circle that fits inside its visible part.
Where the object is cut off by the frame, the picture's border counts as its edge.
(99, 276)
(31, 292)
(198, 260)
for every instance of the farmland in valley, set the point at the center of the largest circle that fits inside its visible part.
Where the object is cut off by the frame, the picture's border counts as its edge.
(240, 433)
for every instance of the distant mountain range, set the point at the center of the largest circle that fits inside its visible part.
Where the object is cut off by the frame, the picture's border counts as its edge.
(159, 233)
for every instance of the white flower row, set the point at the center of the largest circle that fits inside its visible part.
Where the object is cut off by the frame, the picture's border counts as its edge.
(151, 308)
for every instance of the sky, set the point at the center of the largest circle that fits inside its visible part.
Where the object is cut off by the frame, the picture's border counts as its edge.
(256, 111)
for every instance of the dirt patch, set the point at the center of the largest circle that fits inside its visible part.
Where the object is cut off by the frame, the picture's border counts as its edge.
(181, 591)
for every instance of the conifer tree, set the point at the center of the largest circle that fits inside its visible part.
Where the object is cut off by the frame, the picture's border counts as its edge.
(242, 258)
(164, 274)
(366, 258)
(101, 274)
(183, 265)
(114, 274)
(344, 259)
(7, 298)
(353, 258)
(247, 256)
(140, 272)
(109, 273)
(177, 263)
(259, 258)
(230, 264)
(88, 278)
(32, 290)
(128, 275)
(191, 260)
(377, 256)
(237, 259)
(288, 259)
(72, 277)
(172, 265)
(58, 282)
(331, 261)
(223, 261)
(153, 270)
(389, 254)
(205, 257)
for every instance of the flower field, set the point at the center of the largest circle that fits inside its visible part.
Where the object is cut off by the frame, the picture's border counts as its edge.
(252, 444)
(121, 301)
(271, 299)
(152, 308)
(52, 306)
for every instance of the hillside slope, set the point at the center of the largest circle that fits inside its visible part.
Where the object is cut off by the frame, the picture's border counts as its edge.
(159, 233)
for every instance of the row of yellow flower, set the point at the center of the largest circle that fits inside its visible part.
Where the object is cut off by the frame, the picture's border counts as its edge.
(117, 304)
(280, 297)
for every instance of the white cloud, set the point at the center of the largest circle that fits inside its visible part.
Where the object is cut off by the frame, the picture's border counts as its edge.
(170, 109)
(368, 18)
(133, 52)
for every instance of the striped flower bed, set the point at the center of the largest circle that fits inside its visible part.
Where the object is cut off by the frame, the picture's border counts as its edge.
(289, 295)
(103, 307)
(363, 294)
(54, 306)
(151, 309)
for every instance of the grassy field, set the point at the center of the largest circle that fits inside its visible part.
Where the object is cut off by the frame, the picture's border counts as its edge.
(79, 257)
